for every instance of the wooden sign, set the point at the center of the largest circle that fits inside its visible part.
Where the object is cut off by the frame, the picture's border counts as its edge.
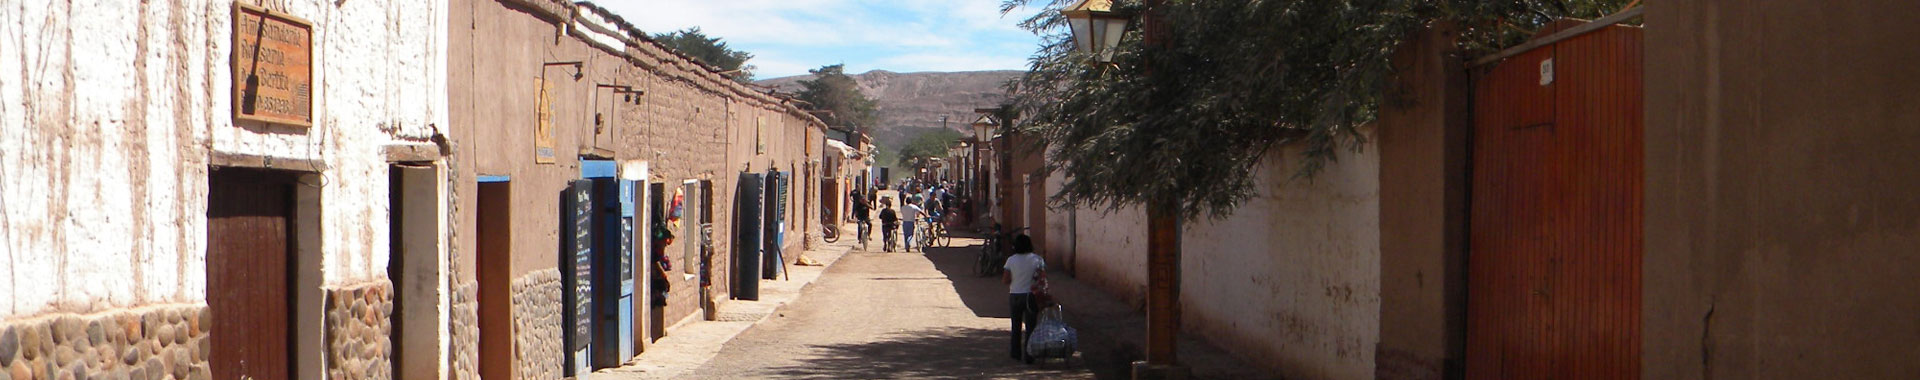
(272, 67)
(543, 152)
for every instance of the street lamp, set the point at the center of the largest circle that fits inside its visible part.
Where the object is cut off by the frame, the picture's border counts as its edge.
(1096, 27)
(1096, 31)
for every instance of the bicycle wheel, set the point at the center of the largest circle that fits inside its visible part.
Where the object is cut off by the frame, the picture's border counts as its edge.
(830, 234)
(985, 266)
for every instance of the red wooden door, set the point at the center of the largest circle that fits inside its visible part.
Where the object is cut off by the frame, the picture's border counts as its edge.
(1555, 239)
(249, 242)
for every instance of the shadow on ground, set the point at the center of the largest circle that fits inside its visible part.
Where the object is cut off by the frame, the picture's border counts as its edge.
(949, 353)
(986, 296)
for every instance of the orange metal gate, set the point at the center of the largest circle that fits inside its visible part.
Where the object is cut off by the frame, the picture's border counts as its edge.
(1555, 228)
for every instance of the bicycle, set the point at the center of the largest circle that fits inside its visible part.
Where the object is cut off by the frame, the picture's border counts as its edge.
(862, 232)
(830, 231)
(934, 233)
(886, 233)
(993, 254)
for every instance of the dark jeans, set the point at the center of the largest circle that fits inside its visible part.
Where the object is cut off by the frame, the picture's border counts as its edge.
(1024, 314)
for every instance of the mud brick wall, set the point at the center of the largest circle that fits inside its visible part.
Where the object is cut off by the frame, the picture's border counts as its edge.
(538, 351)
(155, 342)
(358, 326)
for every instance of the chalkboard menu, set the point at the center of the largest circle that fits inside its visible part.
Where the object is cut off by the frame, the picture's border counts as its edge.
(582, 283)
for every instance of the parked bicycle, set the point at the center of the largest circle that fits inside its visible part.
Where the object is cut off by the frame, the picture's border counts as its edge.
(993, 253)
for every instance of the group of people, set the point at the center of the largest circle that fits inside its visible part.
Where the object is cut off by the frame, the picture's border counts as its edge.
(917, 205)
(1025, 274)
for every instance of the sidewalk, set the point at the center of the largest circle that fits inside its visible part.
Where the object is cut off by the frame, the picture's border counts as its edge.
(689, 345)
(1113, 335)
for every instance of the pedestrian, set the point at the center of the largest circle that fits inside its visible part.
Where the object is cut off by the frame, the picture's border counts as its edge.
(1024, 270)
(909, 212)
(888, 222)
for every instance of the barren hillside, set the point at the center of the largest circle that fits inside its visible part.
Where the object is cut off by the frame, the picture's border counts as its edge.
(911, 103)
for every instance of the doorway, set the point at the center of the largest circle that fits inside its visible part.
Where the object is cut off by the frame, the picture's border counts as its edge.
(416, 267)
(708, 309)
(250, 249)
(1554, 230)
(493, 256)
(657, 287)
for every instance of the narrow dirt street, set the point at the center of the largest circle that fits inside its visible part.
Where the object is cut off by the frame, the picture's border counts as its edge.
(888, 315)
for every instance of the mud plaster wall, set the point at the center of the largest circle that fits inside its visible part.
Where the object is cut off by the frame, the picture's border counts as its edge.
(1290, 281)
(684, 128)
(109, 111)
(1781, 221)
(1422, 143)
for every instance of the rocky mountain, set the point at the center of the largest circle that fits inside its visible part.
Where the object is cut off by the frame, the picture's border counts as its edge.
(912, 103)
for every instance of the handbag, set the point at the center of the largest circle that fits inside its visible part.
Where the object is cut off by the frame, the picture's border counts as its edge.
(1041, 296)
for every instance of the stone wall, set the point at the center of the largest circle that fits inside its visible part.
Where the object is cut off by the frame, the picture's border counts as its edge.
(155, 342)
(538, 351)
(464, 361)
(358, 330)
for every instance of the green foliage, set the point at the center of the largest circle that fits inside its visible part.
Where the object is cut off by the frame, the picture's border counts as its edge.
(1189, 118)
(709, 50)
(832, 90)
(929, 144)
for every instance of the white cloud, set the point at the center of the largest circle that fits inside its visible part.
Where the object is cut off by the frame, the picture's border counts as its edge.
(789, 36)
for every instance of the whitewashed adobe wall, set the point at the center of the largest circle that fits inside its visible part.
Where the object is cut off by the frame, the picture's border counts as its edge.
(1290, 281)
(109, 111)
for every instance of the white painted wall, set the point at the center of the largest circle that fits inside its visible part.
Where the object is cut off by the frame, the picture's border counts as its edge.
(1291, 280)
(1294, 275)
(108, 112)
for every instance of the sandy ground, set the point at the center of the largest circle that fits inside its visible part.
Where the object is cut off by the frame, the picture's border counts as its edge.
(888, 315)
(911, 315)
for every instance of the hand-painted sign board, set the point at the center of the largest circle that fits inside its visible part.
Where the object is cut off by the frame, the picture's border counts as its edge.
(272, 67)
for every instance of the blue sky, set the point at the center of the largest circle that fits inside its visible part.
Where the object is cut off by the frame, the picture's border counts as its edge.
(789, 37)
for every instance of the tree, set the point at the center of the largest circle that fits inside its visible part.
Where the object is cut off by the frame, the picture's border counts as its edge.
(709, 50)
(929, 144)
(833, 91)
(1187, 121)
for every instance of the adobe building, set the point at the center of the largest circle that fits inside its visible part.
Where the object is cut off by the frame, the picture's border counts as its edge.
(1673, 201)
(596, 176)
(207, 190)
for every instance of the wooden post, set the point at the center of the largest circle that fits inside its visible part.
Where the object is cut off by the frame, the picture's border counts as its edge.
(1163, 282)
(1163, 251)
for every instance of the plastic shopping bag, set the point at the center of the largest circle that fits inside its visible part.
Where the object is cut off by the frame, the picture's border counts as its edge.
(1052, 338)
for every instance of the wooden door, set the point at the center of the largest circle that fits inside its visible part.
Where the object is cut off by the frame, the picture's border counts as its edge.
(249, 245)
(1555, 224)
(493, 230)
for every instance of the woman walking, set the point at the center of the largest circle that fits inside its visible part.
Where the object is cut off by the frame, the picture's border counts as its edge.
(1024, 270)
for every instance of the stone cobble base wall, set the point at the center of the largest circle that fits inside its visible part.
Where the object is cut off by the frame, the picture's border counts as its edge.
(537, 346)
(359, 324)
(465, 358)
(154, 342)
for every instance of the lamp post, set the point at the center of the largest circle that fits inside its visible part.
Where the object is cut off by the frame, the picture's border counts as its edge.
(1096, 32)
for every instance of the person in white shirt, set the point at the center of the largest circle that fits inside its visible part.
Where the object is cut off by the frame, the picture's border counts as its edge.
(908, 214)
(1025, 269)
